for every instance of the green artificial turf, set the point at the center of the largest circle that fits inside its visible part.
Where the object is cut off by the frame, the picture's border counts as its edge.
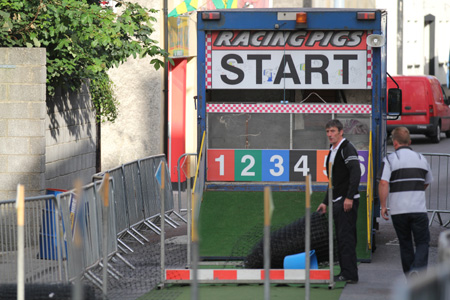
(245, 292)
(228, 218)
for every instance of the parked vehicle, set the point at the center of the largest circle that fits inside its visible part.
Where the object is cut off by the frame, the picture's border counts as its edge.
(425, 108)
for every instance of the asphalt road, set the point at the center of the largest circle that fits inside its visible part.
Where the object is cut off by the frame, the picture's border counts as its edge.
(421, 143)
(383, 278)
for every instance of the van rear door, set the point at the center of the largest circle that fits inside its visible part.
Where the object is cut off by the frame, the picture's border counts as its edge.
(441, 109)
(415, 102)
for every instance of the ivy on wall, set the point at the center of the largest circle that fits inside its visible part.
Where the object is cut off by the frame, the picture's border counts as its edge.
(82, 41)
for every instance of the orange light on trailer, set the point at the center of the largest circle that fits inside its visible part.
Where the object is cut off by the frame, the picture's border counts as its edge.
(211, 15)
(364, 15)
(300, 20)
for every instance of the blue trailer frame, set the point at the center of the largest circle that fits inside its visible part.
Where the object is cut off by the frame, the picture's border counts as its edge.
(317, 19)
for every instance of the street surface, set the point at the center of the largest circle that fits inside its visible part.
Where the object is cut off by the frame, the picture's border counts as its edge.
(383, 277)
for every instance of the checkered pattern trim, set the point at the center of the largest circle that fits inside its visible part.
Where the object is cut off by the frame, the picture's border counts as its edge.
(208, 59)
(369, 67)
(290, 108)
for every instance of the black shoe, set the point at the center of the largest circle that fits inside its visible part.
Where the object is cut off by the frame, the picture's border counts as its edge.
(341, 278)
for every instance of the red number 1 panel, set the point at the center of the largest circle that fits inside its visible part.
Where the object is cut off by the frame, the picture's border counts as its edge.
(220, 165)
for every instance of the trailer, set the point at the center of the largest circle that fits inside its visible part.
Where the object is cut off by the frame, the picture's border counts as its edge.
(270, 79)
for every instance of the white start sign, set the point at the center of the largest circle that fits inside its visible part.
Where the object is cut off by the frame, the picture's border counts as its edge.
(288, 60)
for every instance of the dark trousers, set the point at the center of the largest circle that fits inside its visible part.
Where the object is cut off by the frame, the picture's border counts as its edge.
(407, 227)
(345, 227)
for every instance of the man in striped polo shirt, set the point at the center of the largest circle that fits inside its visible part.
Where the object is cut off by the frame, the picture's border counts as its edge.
(403, 178)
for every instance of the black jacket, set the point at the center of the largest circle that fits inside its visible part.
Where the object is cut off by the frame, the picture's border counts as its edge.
(346, 172)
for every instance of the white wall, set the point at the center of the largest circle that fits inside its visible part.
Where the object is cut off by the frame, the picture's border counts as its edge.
(415, 54)
(138, 131)
(441, 10)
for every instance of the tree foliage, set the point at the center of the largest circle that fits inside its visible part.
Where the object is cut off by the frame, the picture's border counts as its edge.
(82, 40)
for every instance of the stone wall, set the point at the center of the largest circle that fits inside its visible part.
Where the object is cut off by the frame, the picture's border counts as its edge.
(44, 143)
(70, 137)
(22, 120)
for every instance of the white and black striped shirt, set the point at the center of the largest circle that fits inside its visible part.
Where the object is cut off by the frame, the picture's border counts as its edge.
(407, 173)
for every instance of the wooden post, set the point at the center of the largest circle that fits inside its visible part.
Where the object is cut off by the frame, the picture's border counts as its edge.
(307, 235)
(267, 215)
(163, 221)
(20, 207)
(105, 194)
(330, 222)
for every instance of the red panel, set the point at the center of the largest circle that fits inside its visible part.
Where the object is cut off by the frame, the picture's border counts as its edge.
(225, 274)
(319, 274)
(220, 165)
(177, 116)
(274, 274)
(178, 274)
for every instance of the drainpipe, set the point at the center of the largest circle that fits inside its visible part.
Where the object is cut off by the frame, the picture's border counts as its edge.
(166, 81)
(400, 37)
(430, 20)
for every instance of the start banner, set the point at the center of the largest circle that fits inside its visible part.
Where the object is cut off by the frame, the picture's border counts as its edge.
(288, 60)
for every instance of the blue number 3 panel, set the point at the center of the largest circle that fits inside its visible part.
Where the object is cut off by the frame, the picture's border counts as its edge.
(275, 165)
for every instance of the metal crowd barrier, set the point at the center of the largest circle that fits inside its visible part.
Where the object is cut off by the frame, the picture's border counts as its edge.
(85, 213)
(169, 206)
(150, 192)
(138, 199)
(133, 196)
(51, 253)
(437, 192)
(51, 224)
(182, 162)
(44, 254)
(122, 220)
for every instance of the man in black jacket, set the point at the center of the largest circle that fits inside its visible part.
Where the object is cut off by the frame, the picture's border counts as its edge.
(346, 175)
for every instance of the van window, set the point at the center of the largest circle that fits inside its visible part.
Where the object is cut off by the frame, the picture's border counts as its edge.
(446, 100)
(436, 88)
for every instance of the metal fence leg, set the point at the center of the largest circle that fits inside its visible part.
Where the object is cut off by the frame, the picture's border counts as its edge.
(125, 261)
(94, 279)
(439, 217)
(152, 227)
(171, 222)
(179, 217)
(431, 219)
(138, 233)
(135, 237)
(112, 271)
(124, 247)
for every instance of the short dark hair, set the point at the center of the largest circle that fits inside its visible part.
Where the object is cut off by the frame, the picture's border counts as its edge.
(401, 135)
(334, 123)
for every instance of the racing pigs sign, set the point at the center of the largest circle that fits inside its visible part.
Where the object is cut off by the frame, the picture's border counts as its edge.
(288, 60)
